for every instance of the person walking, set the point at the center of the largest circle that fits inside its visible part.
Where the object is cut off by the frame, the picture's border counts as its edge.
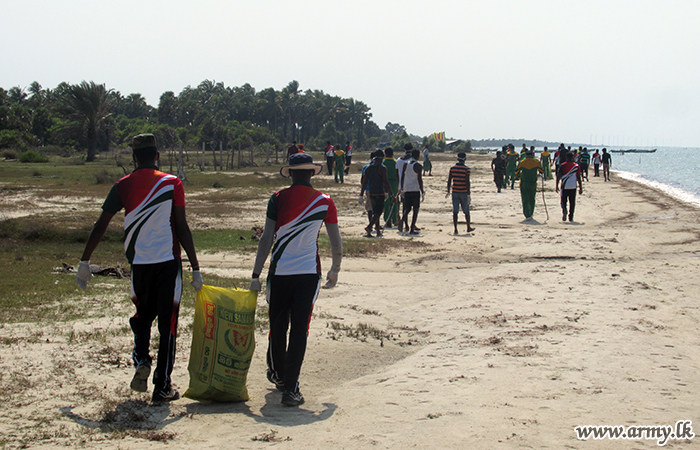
(156, 228)
(427, 165)
(570, 176)
(330, 157)
(498, 167)
(293, 221)
(511, 164)
(607, 161)
(528, 169)
(412, 186)
(459, 180)
(339, 165)
(376, 181)
(292, 149)
(596, 163)
(584, 161)
(391, 208)
(403, 160)
(545, 162)
(348, 157)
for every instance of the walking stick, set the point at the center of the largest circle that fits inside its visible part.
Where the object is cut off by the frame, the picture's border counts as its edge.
(543, 201)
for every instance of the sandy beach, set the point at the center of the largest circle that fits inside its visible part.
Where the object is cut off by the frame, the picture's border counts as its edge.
(508, 337)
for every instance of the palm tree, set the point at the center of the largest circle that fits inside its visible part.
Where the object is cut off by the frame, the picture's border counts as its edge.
(87, 108)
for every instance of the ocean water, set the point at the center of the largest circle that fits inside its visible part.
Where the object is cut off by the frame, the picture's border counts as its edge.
(673, 170)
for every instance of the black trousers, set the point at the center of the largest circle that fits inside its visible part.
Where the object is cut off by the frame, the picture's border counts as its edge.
(292, 299)
(156, 292)
(570, 195)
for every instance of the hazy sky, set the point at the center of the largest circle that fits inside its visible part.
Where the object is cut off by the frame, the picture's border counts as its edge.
(609, 72)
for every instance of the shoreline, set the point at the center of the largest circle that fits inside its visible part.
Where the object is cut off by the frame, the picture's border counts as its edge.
(672, 191)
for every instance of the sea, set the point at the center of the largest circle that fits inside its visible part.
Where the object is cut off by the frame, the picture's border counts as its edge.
(673, 170)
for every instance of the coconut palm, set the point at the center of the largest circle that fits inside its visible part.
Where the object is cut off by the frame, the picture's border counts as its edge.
(87, 109)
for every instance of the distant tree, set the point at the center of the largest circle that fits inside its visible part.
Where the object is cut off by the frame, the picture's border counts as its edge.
(168, 109)
(87, 108)
(17, 95)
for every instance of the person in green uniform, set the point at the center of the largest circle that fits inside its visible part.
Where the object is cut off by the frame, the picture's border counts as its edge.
(528, 170)
(511, 164)
(391, 205)
(545, 158)
(339, 165)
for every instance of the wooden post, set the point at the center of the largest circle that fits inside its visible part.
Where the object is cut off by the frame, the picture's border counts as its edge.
(204, 148)
(239, 155)
(221, 155)
(267, 153)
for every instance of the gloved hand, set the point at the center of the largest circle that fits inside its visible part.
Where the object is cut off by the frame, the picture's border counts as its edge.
(361, 200)
(255, 284)
(84, 274)
(197, 281)
(332, 279)
(422, 196)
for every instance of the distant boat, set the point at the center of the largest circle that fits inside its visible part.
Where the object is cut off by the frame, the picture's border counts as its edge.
(634, 150)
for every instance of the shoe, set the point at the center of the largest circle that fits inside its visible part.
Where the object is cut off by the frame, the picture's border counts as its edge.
(292, 397)
(400, 228)
(140, 381)
(563, 218)
(165, 395)
(413, 232)
(387, 225)
(571, 219)
(379, 233)
(274, 379)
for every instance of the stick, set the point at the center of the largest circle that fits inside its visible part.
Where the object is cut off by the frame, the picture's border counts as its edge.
(543, 201)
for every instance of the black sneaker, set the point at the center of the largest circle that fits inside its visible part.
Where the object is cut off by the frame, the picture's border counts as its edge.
(292, 397)
(165, 395)
(274, 379)
(140, 381)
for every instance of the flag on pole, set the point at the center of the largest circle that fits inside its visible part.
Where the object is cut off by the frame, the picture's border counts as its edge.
(440, 137)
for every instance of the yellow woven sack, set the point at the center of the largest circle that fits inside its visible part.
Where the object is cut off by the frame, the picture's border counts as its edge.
(223, 342)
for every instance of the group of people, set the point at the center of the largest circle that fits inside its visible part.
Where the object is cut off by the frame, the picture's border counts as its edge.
(388, 183)
(338, 160)
(156, 230)
(570, 169)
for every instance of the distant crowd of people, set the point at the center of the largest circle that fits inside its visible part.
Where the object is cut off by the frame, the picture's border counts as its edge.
(570, 168)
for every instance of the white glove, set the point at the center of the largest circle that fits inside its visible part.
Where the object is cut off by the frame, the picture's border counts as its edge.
(332, 279)
(361, 200)
(84, 274)
(255, 285)
(197, 281)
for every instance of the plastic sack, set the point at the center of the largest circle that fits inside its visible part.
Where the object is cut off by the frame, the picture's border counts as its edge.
(223, 342)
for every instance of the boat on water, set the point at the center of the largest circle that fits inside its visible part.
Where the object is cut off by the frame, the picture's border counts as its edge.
(634, 150)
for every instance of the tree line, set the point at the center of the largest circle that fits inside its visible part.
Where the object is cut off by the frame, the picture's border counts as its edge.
(89, 118)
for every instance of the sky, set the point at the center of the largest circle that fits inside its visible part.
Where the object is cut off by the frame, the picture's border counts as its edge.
(611, 72)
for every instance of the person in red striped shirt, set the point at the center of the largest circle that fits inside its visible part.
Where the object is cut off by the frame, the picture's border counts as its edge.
(155, 229)
(458, 181)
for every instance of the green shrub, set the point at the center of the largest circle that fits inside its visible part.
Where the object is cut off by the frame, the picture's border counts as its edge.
(31, 156)
(8, 153)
